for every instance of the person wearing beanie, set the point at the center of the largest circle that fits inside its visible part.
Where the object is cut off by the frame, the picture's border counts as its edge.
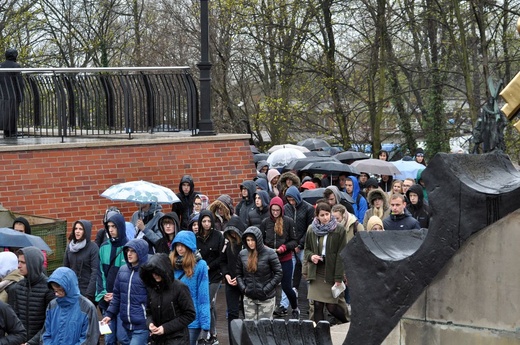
(308, 185)
(9, 274)
(374, 223)
(419, 156)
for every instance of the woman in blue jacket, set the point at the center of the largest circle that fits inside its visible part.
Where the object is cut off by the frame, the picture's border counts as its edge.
(192, 270)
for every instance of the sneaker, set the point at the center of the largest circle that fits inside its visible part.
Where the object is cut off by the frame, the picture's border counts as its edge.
(212, 340)
(295, 291)
(280, 311)
(296, 314)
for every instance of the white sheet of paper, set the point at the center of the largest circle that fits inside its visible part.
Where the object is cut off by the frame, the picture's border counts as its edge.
(104, 328)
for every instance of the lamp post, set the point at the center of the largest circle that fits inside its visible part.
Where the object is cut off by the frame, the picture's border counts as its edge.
(205, 124)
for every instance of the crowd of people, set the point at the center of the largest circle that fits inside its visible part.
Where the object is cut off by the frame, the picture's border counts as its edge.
(155, 278)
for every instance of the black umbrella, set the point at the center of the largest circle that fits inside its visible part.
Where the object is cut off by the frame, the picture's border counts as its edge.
(299, 163)
(317, 154)
(329, 168)
(314, 144)
(16, 239)
(312, 195)
(350, 156)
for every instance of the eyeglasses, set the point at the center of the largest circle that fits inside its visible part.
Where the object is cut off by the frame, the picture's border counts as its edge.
(197, 204)
(420, 155)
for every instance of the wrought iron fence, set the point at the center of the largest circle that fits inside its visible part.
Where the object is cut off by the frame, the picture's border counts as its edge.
(102, 101)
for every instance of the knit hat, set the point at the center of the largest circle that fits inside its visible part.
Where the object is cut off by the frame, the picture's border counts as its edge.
(371, 182)
(372, 221)
(8, 263)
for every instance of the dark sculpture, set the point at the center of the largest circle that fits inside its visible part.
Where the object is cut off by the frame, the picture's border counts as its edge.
(488, 134)
(388, 270)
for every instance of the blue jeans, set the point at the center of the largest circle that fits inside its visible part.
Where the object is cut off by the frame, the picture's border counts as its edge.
(118, 333)
(136, 337)
(194, 335)
(284, 302)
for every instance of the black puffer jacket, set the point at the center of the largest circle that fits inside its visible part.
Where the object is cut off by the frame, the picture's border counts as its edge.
(261, 284)
(169, 302)
(210, 246)
(32, 295)
(256, 215)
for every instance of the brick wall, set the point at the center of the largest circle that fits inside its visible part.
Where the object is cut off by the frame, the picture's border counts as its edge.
(65, 182)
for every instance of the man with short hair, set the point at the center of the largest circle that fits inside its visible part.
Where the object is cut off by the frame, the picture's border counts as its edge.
(31, 295)
(417, 207)
(362, 179)
(400, 218)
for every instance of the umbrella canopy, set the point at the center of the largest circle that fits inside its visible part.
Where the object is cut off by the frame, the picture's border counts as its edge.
(254, 149)
(282, 157)
(288, 146)
(408, 169)
(317, 154)
(376, 166)
(16, 239)
(329, 168)
(312, 195)
(314, 144)
(298, 163)
(142, 192)
(260, 157)
(350, 156)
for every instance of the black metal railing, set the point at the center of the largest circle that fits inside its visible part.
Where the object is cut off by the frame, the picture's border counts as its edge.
(69, 102)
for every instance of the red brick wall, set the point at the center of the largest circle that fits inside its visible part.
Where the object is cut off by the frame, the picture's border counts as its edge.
(65, 183)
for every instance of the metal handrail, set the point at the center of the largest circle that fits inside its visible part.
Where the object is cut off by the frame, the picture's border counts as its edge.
(103, 101)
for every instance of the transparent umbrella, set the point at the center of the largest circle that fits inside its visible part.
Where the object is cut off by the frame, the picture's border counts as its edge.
(282, 157)
(142, 192)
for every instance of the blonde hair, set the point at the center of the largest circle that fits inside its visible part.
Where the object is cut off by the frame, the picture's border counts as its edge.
(188, 261)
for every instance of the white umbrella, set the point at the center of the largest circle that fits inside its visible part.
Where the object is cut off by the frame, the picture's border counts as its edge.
(288, 146)
(408, 169)
(282, 157)
(375, 166)
(142, 192)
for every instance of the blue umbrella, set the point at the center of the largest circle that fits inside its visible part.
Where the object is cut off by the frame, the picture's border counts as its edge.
(15, 239)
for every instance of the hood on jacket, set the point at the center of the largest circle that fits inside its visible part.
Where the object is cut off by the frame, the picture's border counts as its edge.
(276, 201)
(289, 175)
(271, 174)
(294, 193)
(372, 182)
(262, 184)
(9, 263)
(175, 218)
(140, 246)
(419, 176)
(222, 209)
(417, 189)
(236, 225)
(355, 184)
(378, 194)
(262, 164)
(336, 193)
(189, 179)
(119, 221)
(226, 199)
(25, 222)
(187, 238)
(193, 219)
(202, 214)
(34, 261)
(154, 208)
(257, 233)
(264, 196)
(204, 200)
(87, 227)
(251, 188)
(159, 264)
(67, 279)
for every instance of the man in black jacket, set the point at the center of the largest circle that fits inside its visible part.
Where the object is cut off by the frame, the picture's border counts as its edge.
(12, 331)
(417, 207)
(31, 295)
(399, 218)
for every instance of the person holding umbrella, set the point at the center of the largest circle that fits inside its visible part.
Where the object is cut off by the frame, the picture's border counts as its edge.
(145, 221)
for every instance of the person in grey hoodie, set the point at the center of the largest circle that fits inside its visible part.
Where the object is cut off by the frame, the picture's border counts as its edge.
(31, 295)
(82, 256)
(145, 221)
